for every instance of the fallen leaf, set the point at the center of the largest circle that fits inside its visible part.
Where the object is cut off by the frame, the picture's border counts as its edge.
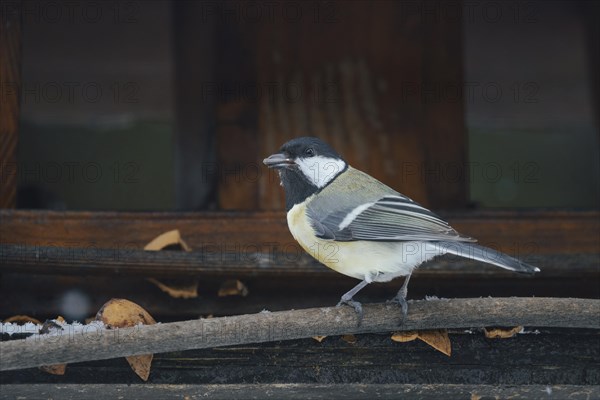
(56, 369)
(141, 365)
(22, 319)
(475, 396)
(438, 339)
(350, 339)
(178, 289)
(233, 287)
(501, 333)
(319, 338)
(121, 313)
(167, 239)
(404, 336)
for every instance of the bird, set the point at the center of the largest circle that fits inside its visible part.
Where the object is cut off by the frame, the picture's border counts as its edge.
(358, 226)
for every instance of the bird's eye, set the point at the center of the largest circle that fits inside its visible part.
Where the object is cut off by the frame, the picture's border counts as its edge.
(309, 152)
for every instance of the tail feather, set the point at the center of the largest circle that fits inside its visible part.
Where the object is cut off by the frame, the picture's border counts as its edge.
(487, 255)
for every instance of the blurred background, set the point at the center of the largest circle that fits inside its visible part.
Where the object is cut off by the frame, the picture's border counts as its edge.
(172, 105)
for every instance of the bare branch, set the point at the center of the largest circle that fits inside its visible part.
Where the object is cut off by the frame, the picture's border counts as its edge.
(297, 324)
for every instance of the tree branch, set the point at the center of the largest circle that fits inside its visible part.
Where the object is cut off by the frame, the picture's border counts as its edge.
(297, 324)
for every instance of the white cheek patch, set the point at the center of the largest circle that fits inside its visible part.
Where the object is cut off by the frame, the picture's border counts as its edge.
(320, 170)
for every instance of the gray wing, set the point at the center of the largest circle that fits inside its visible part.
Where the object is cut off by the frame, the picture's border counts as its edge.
(390, 218)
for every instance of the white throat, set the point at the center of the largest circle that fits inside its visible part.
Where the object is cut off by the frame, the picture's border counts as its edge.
(320, 170)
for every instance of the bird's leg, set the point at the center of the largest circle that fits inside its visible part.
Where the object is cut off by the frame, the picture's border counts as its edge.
(400, 298)
(347, 299)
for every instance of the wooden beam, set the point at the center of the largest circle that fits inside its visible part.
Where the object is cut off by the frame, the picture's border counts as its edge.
(296, 324)
(293, 391)
(222, 260)
(10, 84)
(517, 233)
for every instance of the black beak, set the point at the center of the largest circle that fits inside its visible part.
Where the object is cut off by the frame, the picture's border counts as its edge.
(278, 160)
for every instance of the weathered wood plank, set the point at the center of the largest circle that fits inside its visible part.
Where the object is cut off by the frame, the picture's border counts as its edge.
(10, 86)
(286, 325)
(215, 260)
(548, 356)
(517, 233)
(286, 391)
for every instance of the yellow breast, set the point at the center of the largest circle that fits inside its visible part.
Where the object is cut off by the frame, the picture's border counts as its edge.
(358, 259)
(322, 250)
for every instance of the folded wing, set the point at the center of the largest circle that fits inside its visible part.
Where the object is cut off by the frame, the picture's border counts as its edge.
(390, 218)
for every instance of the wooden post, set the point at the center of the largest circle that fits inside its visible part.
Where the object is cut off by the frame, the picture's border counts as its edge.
(10, 83)
(355, 74)
(444, 135)
(194, 137)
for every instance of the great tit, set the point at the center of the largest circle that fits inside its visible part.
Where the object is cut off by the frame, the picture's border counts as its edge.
(360, 227)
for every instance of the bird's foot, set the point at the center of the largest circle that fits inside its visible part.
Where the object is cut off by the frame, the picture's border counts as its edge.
(354, 304)
(403, 305)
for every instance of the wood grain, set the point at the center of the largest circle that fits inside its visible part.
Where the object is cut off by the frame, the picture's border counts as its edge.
(444, 132)
(541, 356)
(517, 233)
(194, 137)
(295, 324)
(288, 391)
(253, 261)
(10, 84)
(352, 74)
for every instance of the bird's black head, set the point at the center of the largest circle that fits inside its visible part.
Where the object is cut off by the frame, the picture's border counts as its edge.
(306, 165)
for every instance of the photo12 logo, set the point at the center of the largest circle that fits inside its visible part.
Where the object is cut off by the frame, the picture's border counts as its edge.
(72, 11)
(254, 12)
(71, 172)
(67, 92)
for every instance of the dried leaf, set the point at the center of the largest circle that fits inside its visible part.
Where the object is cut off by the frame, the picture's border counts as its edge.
(121, 313)
(350, 339)
(178, 289)
(56, 369)
(167, 239)
(501, 333)
(438, 339)
(404, 336)
(319, 338)
(475, 396)
(233, 287)
(141, 365)
(22, 319)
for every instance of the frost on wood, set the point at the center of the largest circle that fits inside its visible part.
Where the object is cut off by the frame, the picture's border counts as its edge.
(55, 327)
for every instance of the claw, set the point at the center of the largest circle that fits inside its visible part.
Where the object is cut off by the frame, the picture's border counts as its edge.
(354, 304)
(403, 305)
